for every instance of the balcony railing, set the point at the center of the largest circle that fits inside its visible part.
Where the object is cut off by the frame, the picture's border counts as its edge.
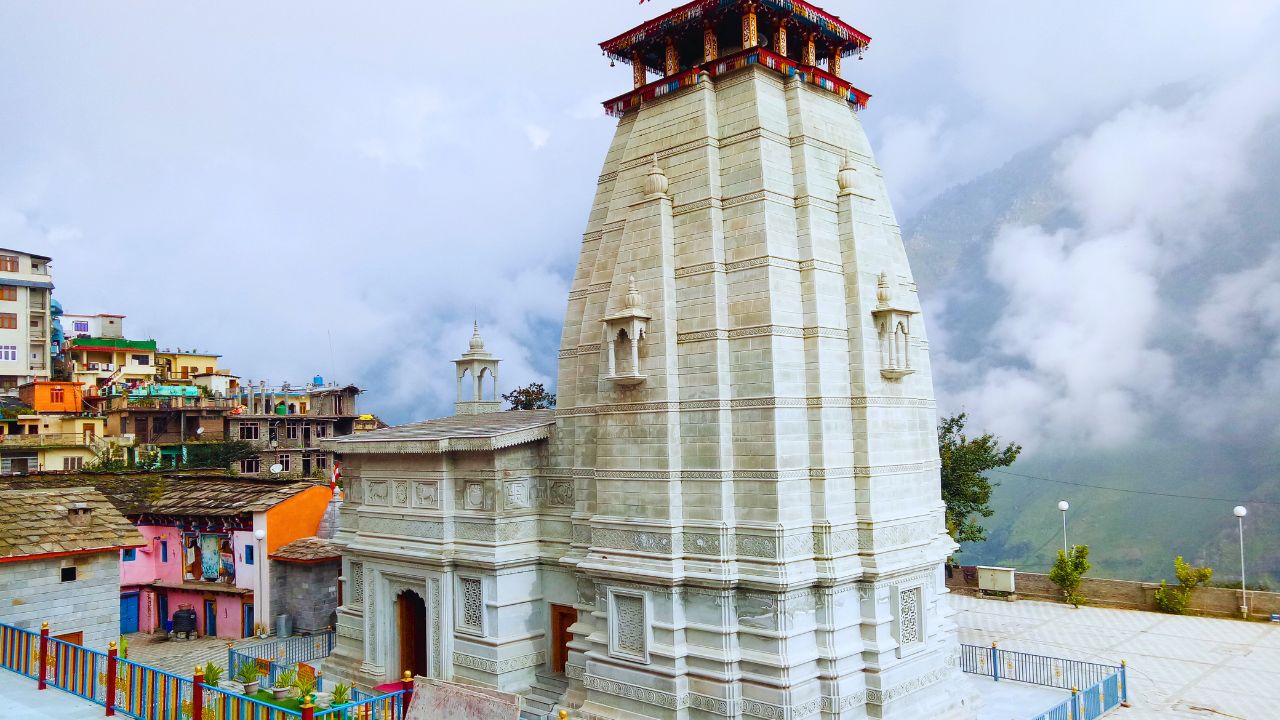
(123, 402)
(48, 439)
(176, 438)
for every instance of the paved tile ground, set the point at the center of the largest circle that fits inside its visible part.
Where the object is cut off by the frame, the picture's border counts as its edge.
(1179, 667)
(180, 657)
(19, 698)
(1007, 700)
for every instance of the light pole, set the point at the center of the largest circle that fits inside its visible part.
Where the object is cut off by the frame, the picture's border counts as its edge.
(260, 593)
(1240, 511)
(1063, 505)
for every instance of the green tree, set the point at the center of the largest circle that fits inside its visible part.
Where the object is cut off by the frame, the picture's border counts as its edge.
(219, 454)
(530, 397)
(1068, 571)
(1176, 599)
(965, 490)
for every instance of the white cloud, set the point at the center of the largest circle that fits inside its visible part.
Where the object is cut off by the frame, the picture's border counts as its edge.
(1078, 354)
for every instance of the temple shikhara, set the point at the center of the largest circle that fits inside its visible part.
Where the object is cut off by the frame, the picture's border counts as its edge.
(735, 510)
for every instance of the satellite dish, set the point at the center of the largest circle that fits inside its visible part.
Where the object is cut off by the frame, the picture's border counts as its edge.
(277, 469)
(273, 444)
(199, 431)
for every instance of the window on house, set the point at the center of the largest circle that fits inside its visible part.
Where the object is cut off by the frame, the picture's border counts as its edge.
(8, 292)
(141, 359)
(251, 465)
(248, 431)
(248, 554)
(164, 551)
(129, 555)
(80, 326)
(291, 431)
(322, 462)
(57, 394)
(72, 463)
(283, 459)
(8, 263)
(68, 574)
(8, 352)
(322, 430)
(8, 321)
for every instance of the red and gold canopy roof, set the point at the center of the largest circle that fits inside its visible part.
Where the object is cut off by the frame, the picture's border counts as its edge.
(833, 35)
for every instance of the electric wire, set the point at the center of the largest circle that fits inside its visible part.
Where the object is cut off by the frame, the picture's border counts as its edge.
(1140, 492)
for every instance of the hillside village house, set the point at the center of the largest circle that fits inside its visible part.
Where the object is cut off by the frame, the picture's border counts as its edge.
(57, 435)
(287, 425)
(60, 553)
(25, 319)
(206, 543)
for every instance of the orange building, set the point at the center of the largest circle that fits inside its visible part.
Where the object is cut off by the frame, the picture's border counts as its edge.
(49, 396)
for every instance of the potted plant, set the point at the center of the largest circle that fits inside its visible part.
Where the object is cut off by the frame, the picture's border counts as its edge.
(212, 674)
(284, 683)
(247, 673)
(305, 686)
(261, 630)
(341, 694)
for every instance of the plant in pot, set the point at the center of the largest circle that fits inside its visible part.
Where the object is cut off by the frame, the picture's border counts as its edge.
(212, 674)
(285, 680)
(341, 695)
(247, 673)
(304, 685)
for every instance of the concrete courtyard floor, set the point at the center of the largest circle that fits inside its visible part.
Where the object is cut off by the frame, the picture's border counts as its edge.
(1179, 666)
(180, 657)
(19, 698)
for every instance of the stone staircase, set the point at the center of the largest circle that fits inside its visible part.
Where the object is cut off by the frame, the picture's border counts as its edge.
(541, 700)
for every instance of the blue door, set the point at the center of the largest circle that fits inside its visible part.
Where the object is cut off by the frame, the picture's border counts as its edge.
(210, 618)
(246, 623)
(162, 609)
(128, 613)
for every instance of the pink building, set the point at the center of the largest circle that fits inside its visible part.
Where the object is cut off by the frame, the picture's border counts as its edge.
(207, 542)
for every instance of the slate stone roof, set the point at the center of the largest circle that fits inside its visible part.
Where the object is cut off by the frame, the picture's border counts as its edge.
(34, 522)
(488, 431)
(185, 495)
(307, 550)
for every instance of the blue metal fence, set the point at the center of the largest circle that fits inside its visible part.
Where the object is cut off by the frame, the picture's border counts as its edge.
(1105, 686)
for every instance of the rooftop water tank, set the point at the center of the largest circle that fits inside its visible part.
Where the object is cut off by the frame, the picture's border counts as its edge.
(317, 380)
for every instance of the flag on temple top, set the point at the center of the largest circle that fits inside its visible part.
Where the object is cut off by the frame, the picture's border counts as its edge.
(337, 474)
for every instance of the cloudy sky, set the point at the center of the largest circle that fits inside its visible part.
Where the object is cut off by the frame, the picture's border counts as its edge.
(268, 180)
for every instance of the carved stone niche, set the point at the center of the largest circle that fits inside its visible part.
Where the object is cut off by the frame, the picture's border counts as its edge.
(623, 333)
(893, 324)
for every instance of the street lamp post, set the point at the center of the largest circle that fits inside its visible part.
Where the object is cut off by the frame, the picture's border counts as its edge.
(1063, 505)
(260, 593)
(1240, 511)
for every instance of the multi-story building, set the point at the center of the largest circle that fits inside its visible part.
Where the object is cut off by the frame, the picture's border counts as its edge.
(54, 432)
(180, 367)
(102, 325)
(60, 552)
(99, 363)
(287, 425)
(25, 288)
(165, 418)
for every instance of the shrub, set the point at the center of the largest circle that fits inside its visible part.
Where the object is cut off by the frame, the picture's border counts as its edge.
(341, 694)
(1069, 570)
(1174, 600)
(247, 672)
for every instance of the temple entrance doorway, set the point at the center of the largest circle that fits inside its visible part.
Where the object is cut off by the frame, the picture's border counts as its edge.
(411, 619)
(562, 616)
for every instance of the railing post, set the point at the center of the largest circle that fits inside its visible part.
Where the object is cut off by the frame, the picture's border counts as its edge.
(1124, 684)
(319, 681)
(308, 710)
(1075, 705)
(44, 655)
(231, 659)
(995, 662)
(197, 694)
(405, 699)
(111, 679)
